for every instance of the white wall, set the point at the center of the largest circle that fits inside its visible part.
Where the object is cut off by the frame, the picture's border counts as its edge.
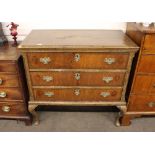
(25, 27)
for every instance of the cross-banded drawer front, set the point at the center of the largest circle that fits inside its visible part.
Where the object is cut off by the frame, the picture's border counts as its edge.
(7, 80)
(70, 78)
(78, 94)
(78, 60)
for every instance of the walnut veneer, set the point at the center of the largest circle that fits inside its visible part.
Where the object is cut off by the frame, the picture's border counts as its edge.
(13, 88)
(142, 95)
(77, 67)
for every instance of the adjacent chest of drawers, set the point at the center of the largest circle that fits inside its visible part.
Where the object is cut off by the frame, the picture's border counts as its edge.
(77, 67)
(142, 96)
(13, 98)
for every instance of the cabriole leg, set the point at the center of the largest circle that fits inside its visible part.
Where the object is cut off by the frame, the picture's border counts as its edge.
(120, 114)
(34, 114)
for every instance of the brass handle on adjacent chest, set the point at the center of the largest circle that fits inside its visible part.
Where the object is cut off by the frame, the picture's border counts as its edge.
(77, 92)
(77, 76)
(109, 61)
(151, 104)
(49, 94)
(105, 94)
(47, 78)
(77, 57)
(1, 81)
(2, 94)
(107, 79)
(45, 60)
(6, 108)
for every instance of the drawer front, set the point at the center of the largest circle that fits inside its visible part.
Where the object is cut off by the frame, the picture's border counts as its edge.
(78, 60)
(79, 94)
(144, 84)
(8, 67)
(146, 64)
(141, 103)
(7, 80)
(10, 94)
(149, 42)
(68, 78)
(12, 109)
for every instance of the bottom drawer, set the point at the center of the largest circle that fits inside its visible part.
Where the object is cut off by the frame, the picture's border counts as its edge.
(141, 103)
(82, 94)
(12, 109)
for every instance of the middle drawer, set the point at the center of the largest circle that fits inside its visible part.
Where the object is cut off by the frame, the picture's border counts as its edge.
(71, 78)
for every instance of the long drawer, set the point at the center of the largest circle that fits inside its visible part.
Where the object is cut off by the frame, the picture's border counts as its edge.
(10, 94)
(77, 60)
(9, 80)
(70, 78)
(82, 94)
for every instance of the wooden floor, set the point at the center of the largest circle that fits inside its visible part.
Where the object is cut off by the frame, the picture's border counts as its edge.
(79, 121)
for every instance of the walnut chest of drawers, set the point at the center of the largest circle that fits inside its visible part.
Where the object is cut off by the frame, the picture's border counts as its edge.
(142, 95)
(13, 97)
(77, 67)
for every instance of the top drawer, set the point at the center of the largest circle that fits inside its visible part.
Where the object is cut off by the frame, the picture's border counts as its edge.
(78, 60)
(149, 42)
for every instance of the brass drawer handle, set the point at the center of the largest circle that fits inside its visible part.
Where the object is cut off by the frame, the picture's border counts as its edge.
(45, 60)
(77, 76)
(2, 94)
(77, 92)
(6, 108)
(151, 104)
(107, 79)
(105, 94)
(49, 94)
(109, 61)
(47, 78)
(77, 57)
(1, 81)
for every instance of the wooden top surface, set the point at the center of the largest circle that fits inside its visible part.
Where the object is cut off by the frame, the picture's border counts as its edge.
(107, 39)
(8, 52)
(143, 29)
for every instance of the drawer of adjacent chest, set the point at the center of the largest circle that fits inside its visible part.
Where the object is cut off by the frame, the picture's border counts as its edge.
(8, 67)
(144, 84)
(149, 42)
(142, 103)
(77, 60)
(8, 80)
(147, 64)
(69, 78)
(10, 94)
(82, 94)
(12, 109)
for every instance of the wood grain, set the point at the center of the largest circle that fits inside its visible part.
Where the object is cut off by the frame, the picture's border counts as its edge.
(77, 39)
(86, 94)
(68, 78)
(87, 61)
